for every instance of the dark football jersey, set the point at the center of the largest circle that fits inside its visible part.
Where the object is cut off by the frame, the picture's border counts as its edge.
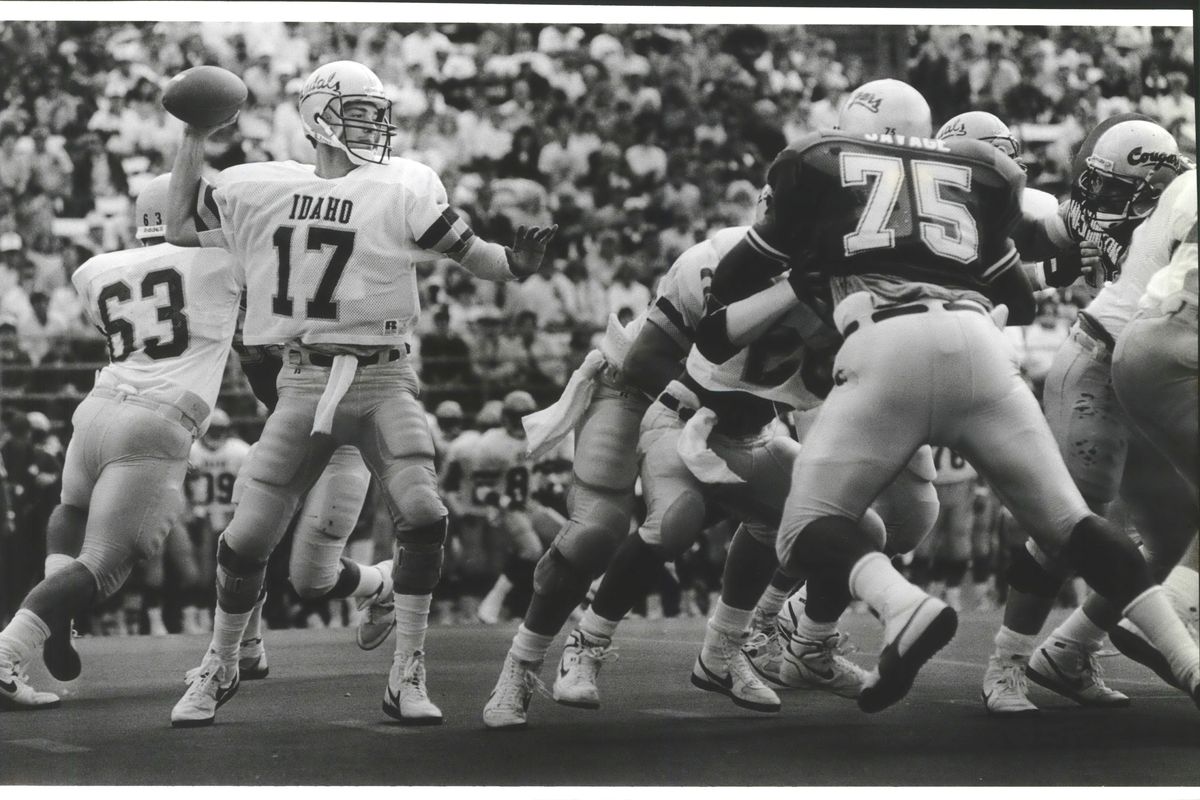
(910, 209)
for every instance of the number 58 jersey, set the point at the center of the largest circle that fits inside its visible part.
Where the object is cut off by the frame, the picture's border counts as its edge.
(168, 313)
(329, 261)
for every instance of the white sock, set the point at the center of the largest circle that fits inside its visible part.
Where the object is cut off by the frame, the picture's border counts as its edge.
(877, 583)
(254, 624)
(530, 647)
(1152, 612)
(1183, 588)
(596, 627)
(726, 622)
(412, 620)
(23, 637)
(56, 562)
(499, 590)
(814, 631)
(228, 631)
(1078, 628)
(771, 601)
(370, 580)
(1013, 646)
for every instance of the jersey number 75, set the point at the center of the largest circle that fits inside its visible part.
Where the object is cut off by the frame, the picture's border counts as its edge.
(950, 233)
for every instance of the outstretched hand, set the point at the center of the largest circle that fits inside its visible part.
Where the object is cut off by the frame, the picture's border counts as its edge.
(529, 248)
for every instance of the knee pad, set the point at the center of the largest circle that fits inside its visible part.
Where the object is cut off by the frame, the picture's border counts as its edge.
(412, 491)
(418, 562)
(555, 576)
(239, 579)
(1108, 560)
(873, 526)
(681, 525)
(593, 533)
(1025, 574)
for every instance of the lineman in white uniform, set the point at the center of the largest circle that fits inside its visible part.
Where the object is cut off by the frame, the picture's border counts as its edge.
(169, 316)
(333, 251)
(1154, 377)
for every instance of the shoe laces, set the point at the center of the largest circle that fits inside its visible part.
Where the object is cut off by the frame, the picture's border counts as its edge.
(414, 674)
(1012, 678)
(520, 683)
(592, 654)
(739, 668)
(763, 643)
(196, 677)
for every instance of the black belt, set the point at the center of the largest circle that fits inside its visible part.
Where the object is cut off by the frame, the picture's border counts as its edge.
(912, 308)
(318, 360)
(1092, 327)
(672, 402)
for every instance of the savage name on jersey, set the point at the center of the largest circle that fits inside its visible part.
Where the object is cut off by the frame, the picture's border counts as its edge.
(900, 217)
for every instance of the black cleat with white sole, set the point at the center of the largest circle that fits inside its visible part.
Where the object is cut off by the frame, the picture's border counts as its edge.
(929, 629)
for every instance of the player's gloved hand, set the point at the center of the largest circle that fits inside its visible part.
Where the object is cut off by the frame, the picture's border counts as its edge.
(1065, 269)
(204, 133)
(529, 247)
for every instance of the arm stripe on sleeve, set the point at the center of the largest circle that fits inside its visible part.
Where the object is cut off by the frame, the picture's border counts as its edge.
(673, 316)
(1006, 261)
(760, 246)
(438, 230)
(207, 214)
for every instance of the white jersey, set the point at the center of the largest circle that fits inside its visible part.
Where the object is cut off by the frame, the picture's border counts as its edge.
(210, 483)
(330, 261)
(1166, 242)
(770, 367)
(169, 314)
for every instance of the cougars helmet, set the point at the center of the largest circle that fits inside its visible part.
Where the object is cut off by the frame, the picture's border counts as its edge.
(986, 128)
(516, 405)
(1129, 166)
(150, 209)
(325, 101)
(886, 106)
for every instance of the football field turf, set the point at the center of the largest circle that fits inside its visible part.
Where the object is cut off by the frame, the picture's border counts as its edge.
(317, 720)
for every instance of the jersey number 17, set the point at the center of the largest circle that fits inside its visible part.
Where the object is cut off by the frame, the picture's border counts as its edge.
(951, 231)
(322, 305)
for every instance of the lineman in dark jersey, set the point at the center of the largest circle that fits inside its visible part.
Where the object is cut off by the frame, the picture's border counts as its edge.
(913, 236)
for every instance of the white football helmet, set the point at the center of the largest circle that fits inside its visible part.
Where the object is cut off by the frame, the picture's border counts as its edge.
(150, 209)
(886, 106)
(986, 128)
(1129, 166)
(219, 429)
(516, 405)
(334, 91)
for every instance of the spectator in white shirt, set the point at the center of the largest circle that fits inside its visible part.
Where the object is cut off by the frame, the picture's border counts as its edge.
(627, 293)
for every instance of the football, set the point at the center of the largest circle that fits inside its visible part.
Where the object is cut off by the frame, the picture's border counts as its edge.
(204, 96)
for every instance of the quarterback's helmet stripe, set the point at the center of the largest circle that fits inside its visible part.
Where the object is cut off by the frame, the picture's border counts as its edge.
(760, 245)
(1006, 262)
(673, 316)
(208, 215)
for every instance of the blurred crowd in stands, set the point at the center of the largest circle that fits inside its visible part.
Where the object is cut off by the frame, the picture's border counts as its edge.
(638, 141)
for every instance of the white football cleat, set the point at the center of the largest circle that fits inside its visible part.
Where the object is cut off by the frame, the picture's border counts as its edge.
(575, 684)
(252, 660)
(1066, 668)
(764, 651)
(810, 664)
(210, 686)
(380, 612)
(405, 698)
(730, 674)
(1006, 689)
(508, 704)
(17, 695)
(911, 638)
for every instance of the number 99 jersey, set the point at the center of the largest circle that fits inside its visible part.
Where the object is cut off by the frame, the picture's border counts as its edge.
(168, 313)
(907, 209)
(329, 261)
